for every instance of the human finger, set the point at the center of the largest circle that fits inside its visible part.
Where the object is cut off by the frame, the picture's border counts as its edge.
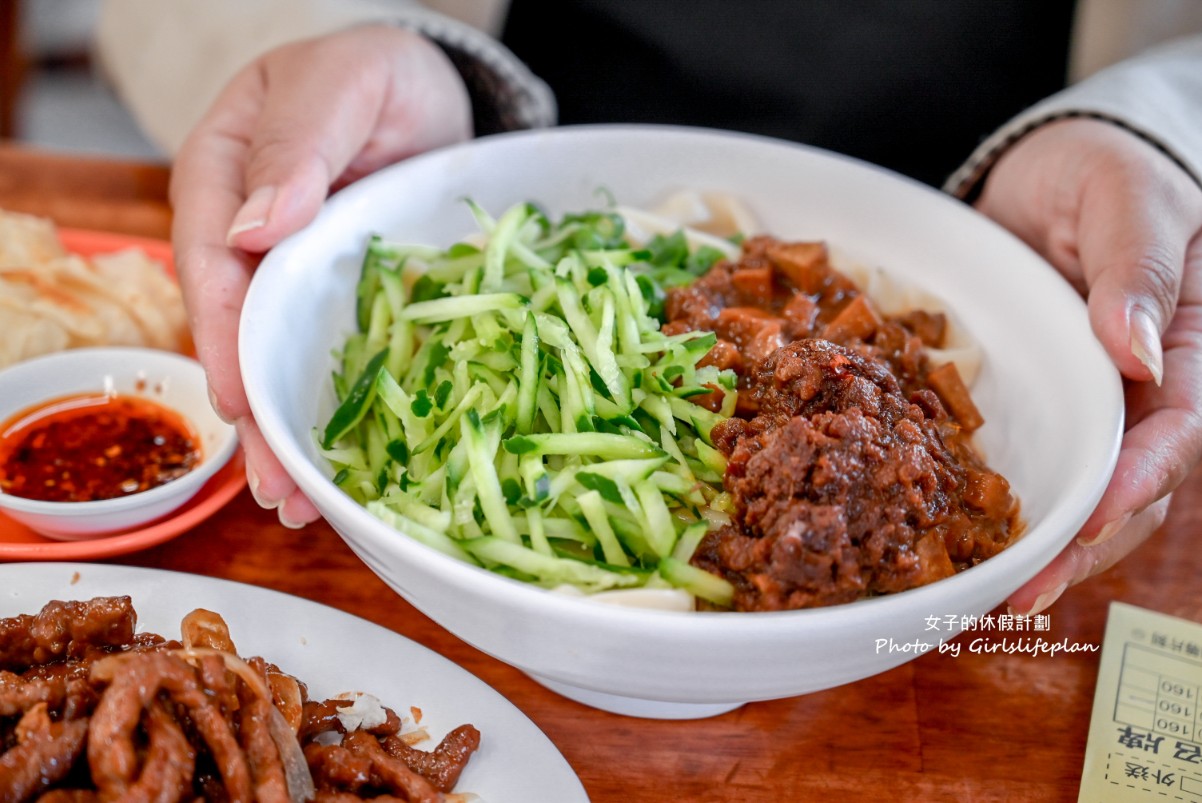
(1114, 215)
(345, 103)
(269, 482)
(1134, 231)
(206, 191)
(1164, 436)
(1077, 561)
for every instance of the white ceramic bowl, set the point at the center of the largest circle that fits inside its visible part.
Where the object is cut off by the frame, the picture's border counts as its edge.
(1051, 399)
(170, 379)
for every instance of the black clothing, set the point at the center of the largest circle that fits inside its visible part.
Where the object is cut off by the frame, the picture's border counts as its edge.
(913, 85)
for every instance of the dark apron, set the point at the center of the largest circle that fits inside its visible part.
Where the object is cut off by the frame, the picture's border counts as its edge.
(913, 85)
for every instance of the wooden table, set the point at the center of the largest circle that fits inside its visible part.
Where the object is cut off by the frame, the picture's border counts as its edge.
(975, 727)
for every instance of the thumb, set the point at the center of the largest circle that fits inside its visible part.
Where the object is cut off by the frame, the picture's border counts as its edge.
(1132, 253)
(320, 103)
(1115, 215)
(285, 195)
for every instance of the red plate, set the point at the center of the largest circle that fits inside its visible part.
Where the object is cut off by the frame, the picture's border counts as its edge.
(18, 542)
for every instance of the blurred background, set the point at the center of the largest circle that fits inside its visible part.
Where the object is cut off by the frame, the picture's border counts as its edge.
(50, 92)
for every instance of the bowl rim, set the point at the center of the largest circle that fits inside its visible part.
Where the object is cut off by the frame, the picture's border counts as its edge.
(163, 361)
(527, 596)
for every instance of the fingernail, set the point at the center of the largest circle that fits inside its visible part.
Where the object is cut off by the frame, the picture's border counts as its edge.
(284, 520)
(1107, 532)
(216, 407)
(252, 482)
(1044, 600)
(1145, 344)
(253, 214)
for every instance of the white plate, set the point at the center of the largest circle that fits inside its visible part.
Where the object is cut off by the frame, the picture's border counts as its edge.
(332, 652)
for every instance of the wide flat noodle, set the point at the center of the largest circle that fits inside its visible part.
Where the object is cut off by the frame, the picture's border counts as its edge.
(52, 300)
(717, 213)
(707, 219)
(893, 296)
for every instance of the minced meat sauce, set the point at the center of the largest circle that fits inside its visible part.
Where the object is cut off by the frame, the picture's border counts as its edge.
(849, 460)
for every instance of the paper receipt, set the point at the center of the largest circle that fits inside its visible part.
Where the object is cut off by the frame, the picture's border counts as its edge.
(1145, 735)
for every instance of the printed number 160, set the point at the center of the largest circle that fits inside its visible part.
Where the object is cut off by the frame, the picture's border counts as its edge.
(1177, 689)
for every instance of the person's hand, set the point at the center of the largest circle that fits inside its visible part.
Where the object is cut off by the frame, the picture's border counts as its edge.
(297, 122)
(1121, 221)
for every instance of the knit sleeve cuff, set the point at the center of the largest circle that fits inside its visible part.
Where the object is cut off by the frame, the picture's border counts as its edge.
(505, 95)
(1155, 96)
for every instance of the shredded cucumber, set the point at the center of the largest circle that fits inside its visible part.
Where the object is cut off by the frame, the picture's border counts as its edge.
(513, 403)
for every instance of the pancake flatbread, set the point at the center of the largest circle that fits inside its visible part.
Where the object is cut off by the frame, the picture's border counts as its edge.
(51, 300)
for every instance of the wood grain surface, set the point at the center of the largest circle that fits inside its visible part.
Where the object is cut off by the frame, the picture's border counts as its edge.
(977, 727)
